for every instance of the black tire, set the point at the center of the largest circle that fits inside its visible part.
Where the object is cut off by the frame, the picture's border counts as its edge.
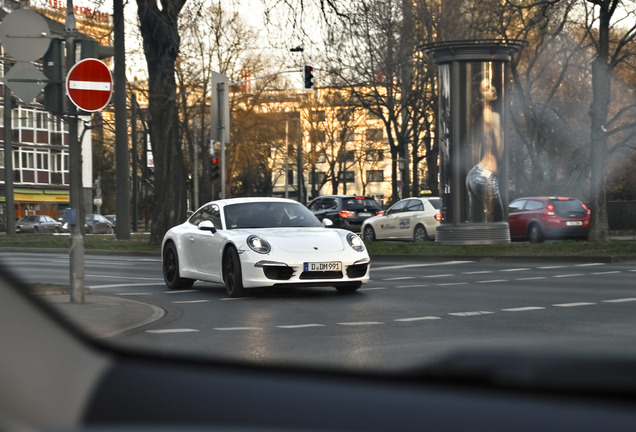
(420, 234)
(368, 234)
(232, 274)
(36, 230)
(349, 288)
(170, 266)
(57, 230)
(535, 235)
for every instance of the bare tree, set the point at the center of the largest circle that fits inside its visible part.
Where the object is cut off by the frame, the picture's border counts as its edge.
(159, 30)
(611, 50)
(375, 59)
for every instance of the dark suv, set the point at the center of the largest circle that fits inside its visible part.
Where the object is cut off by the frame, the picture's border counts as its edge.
(540, 218)
(345, 211)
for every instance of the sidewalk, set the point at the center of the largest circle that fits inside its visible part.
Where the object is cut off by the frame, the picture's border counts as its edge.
(104, 317)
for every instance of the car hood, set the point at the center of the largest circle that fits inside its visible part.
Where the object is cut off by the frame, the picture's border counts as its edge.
(302, 240)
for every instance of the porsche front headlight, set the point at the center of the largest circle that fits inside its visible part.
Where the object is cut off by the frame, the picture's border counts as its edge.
(258, 244)
(355, 242)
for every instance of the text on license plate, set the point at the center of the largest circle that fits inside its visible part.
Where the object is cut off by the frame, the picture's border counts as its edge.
(364, 214)
(323, 266)
(574, 223)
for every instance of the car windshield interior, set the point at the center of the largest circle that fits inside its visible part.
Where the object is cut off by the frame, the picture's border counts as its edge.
(268, 215)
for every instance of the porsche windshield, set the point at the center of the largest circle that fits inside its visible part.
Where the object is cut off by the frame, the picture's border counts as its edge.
(268, 215)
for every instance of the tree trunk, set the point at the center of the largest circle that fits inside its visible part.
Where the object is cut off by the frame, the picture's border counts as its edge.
(601, 92)
(161, 46)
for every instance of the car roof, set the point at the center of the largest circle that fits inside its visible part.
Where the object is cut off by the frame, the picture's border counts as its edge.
(229, 201)
(345, 196)
(563, 198)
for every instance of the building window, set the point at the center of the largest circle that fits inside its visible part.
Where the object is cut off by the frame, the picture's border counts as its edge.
(347, 176)
(317, 116)
(348, 156)
(375, 176)
(348, 135)
(373, 155)
(318, 136)
(374, 134)
(42, 121)
(344, 115)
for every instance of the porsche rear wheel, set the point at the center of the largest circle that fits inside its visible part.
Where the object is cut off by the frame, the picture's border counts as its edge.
(170, 266)
(232, 274)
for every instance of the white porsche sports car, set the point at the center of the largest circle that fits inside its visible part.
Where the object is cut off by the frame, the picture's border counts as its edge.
(261, 242)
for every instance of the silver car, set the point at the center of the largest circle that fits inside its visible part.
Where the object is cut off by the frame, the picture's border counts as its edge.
(37, 224)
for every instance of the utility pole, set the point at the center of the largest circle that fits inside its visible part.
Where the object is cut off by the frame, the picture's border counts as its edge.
(76, 252)
(122, 166)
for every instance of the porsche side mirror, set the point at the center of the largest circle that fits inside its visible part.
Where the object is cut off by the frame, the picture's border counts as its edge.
(327, 223)
(207, 226)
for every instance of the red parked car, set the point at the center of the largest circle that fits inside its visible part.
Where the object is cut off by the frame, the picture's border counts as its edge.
(539, 218)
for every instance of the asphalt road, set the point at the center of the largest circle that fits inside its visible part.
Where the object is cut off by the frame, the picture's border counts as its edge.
(411, 313)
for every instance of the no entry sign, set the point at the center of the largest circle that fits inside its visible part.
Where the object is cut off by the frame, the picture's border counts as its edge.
(89, 85)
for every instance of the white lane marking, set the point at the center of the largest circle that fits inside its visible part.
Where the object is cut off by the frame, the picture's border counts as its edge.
(552, 267)
(607, 272)
(234, 298)
(531, 278)
(589, 264)
(180, 291)
(397, 267)
(121, 285)
(438, 276)
(452, 283)
(134, 294)
(515, 269)
(399, 278)
(621, 300)
(237, 328)
(181, 330)
(478, 272)
(423, 318)
(568, 275)
(360, 323)
(574, 304)
(190, 301)
(523, 309)
(411, 286)
(471, 313)
(108, 276)
(300, 326)
(371, 289)
(492, 281)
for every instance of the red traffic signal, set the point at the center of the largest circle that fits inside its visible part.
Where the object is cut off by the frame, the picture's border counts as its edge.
(214, 168)
(309, 77)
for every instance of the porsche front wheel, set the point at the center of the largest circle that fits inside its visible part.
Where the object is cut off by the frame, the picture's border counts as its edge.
(232, 274)
(170, 266)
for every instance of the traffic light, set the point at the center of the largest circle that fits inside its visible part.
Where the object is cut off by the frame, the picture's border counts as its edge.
(89, 48)
(309, 77)
(53, 65)
(214, 168)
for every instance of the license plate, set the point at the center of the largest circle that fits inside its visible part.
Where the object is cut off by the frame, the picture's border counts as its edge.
(364, 214)
(323, 266)
(574, 223)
